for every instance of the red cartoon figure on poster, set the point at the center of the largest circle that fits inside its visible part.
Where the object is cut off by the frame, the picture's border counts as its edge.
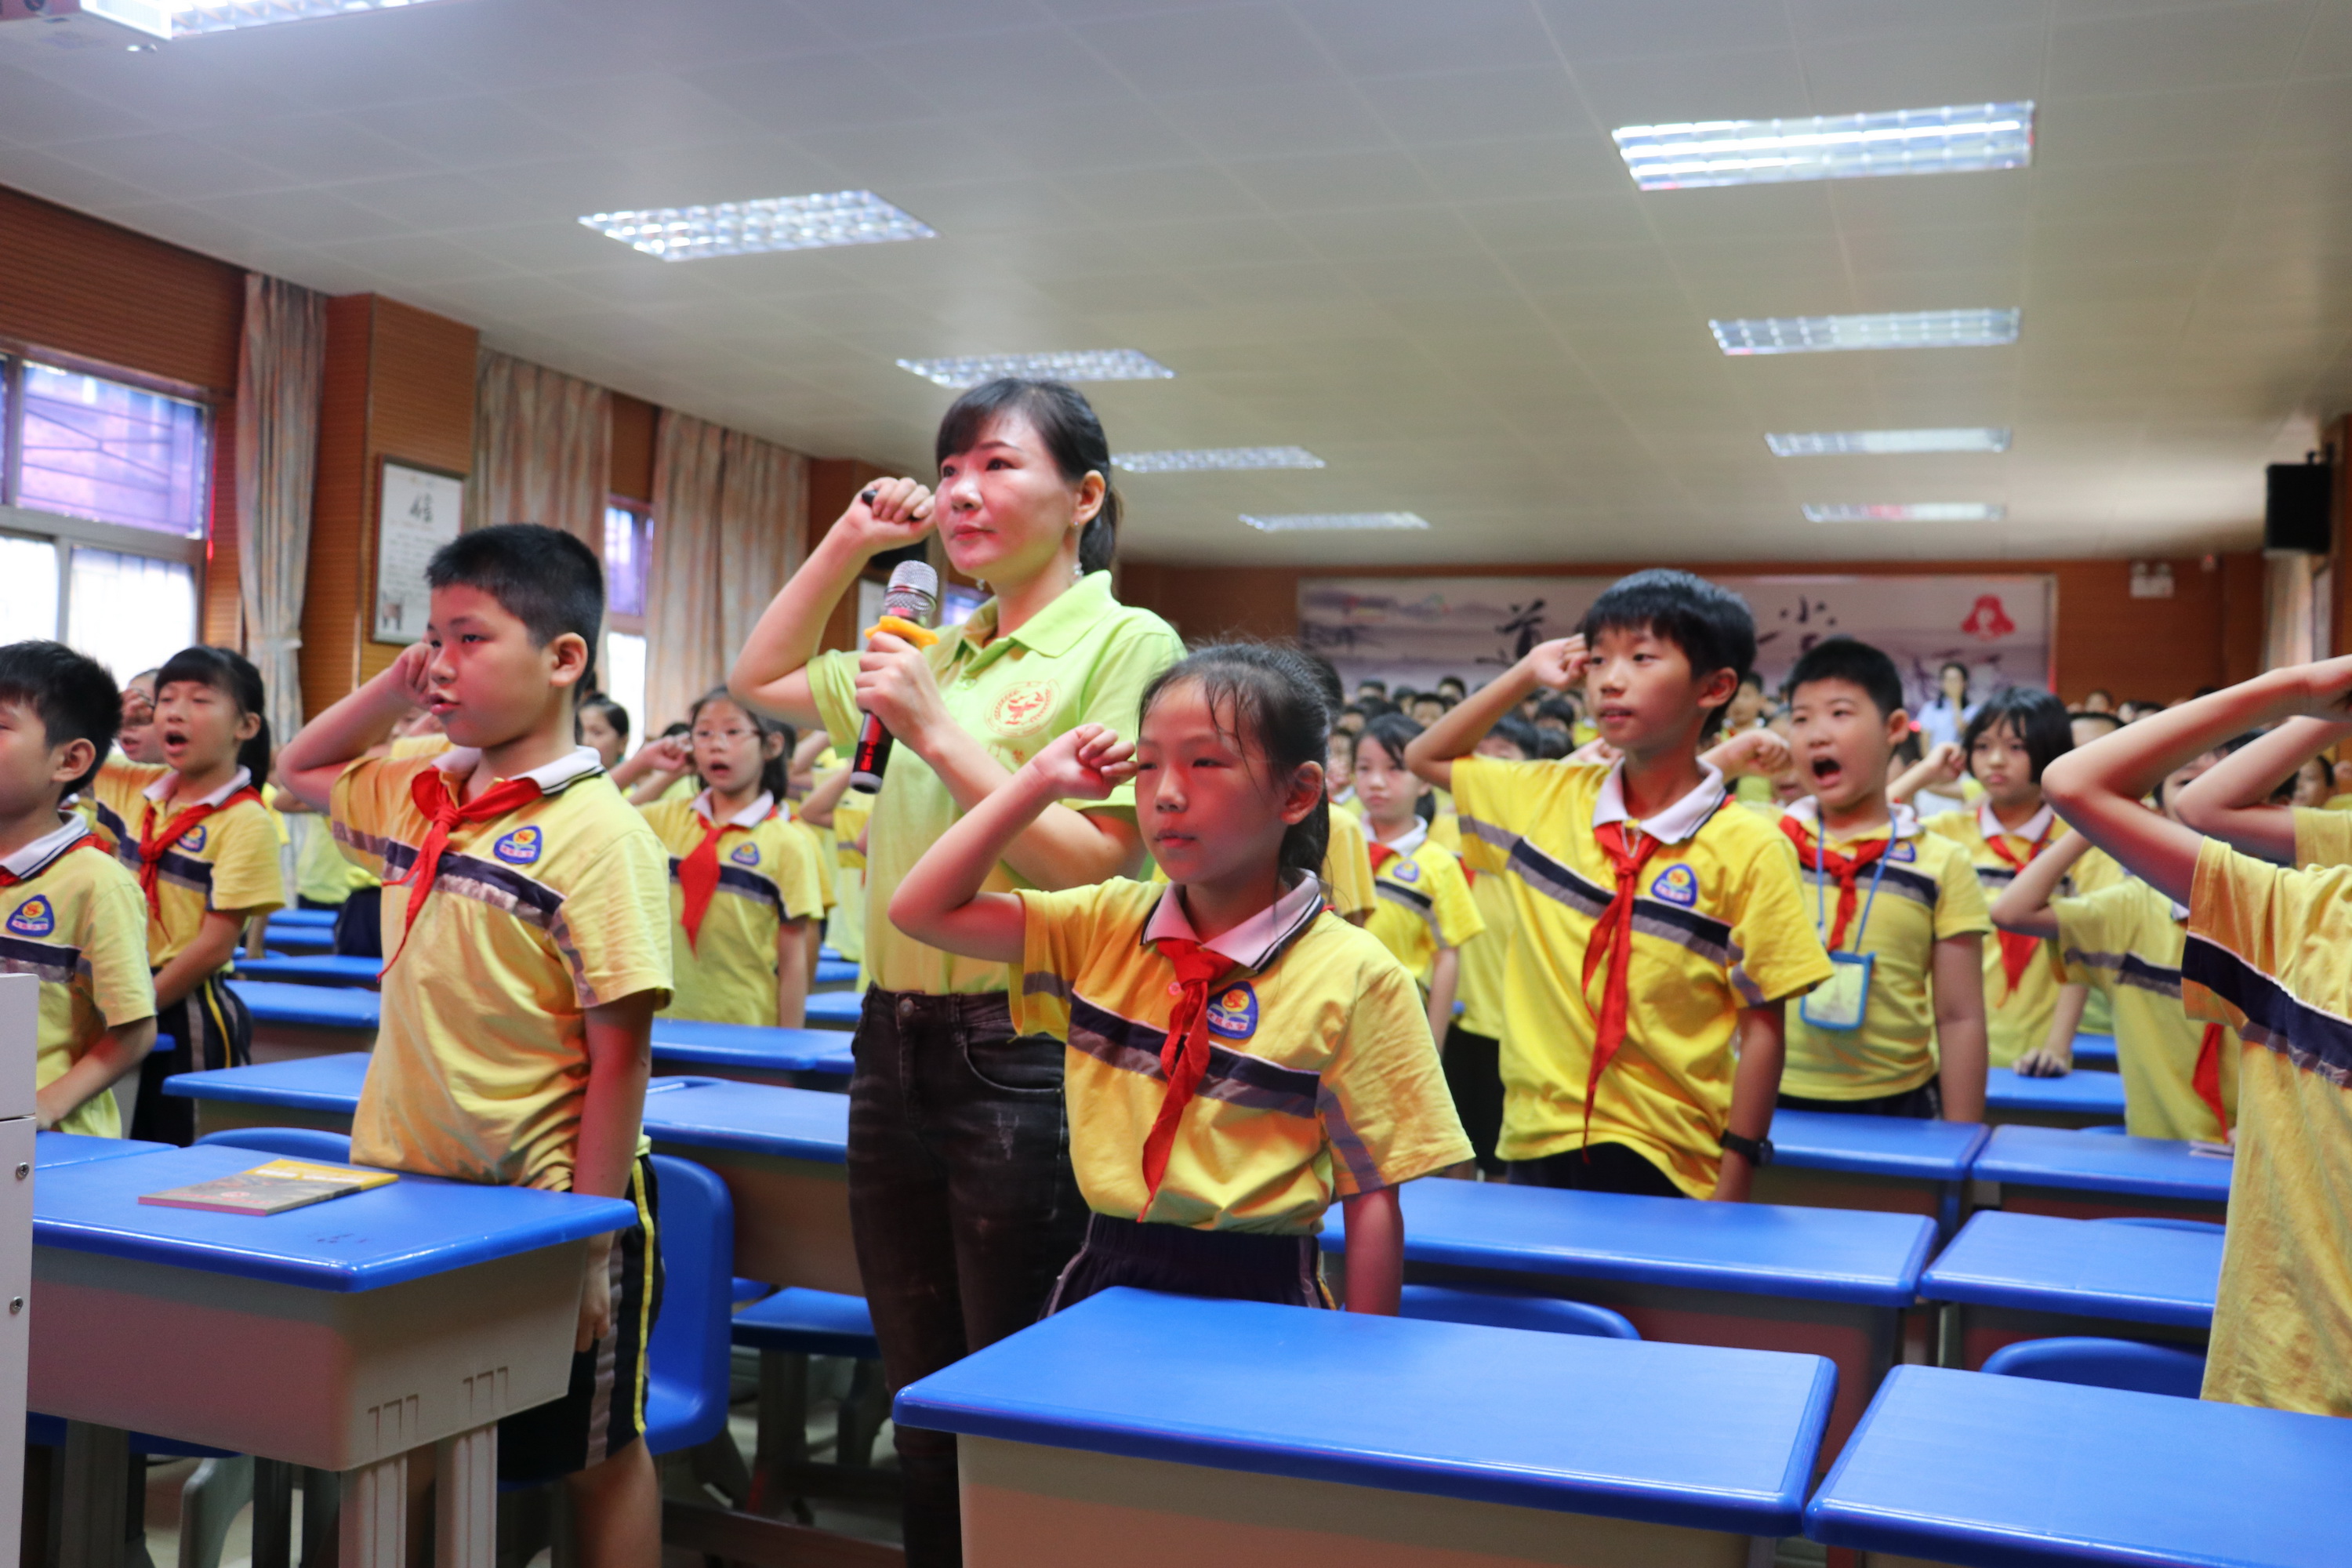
(1987, 621)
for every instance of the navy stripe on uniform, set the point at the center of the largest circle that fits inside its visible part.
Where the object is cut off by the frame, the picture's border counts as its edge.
(52, 961)
(2315, 1040)
(1232, 1077)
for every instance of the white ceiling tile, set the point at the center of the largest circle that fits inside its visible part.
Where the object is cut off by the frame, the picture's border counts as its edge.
(1575, 165)
(1599, 32)
(1812, 20)
(1208, 49)
(1407, 38)
(1335, 180)
(478, 128)
(318, 148)
(304, 217)
(1490, 106)
(177, 168)
(1658, 90)
(2206, 45)
(816, 92)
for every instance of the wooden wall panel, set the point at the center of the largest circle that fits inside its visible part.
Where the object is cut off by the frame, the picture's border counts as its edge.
(88, 289)
(634, 422)
(221, 618)
(399, 383)
(2158, 649)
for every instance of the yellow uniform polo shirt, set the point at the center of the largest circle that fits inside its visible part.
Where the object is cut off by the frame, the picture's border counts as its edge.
(2323, 835)
(1322, 1080)
(1718, 925)
(2125, 941)
(2016, 1021)
(2264, 954)
(1424, 902)
(322, 874)
(766, 877)
(75, 919)
(226, 864)
(1480, 988)
(817, 844)
(2097, 870)
(408, 746)
(845, 927)
(1349, 803)
(1347, 866)
(1926, 892)
(481, 1061)
(1085, 659)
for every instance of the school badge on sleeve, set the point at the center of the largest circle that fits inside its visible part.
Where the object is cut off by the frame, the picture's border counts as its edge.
(33, 918)
(1232, 1012)
(520, 847)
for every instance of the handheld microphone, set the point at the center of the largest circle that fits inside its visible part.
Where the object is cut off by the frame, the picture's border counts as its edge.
(913, 595)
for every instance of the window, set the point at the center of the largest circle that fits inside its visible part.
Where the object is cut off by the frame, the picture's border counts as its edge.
(103, 492)
(629, 559)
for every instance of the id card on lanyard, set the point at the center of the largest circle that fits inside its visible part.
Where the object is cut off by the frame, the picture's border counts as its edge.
(1841, 1002)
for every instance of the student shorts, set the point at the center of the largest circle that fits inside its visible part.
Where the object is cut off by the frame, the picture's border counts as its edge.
(1232, 1265)
(209, 1027)
(605, 1410)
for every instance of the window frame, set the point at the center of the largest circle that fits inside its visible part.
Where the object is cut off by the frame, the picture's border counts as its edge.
(615, 621)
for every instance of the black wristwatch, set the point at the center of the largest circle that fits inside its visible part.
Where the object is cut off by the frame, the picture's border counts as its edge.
(1758, 1151)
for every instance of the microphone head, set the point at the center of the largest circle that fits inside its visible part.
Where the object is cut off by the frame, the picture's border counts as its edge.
(916, 575)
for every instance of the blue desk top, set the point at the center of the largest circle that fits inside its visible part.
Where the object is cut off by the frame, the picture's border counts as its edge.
(52, 1151)
(752, 1118)
(330, 1083)
(298, 940)
(834, 972)
(413, 1229)
(1694, 1436)
(302, 917)
(1752, 1249)
(2082, 1267)
(1874, 1145)
(2096, 1052)
(2076, 1094)
(1959, 1468)
(313, 969)
(681, 1043)
(2101, 1163)
(835, 1009)
(315, 1006)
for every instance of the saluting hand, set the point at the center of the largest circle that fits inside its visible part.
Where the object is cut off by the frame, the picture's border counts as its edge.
(1085, 763)
(1558, 664)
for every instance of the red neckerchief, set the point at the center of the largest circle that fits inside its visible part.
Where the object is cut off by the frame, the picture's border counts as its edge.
(697, 876)
(88, 840)
(435, 793)
(2207, 1079)
(1381, 854)
(1612, 938)
(2017, 950)
(1845, 867)
(1185, 1056)
(152, 843)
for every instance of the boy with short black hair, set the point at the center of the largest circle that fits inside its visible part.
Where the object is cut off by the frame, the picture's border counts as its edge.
(2264, 952)
(1900, 1030)
(526, 912)
(77, 922)
(1653, 925)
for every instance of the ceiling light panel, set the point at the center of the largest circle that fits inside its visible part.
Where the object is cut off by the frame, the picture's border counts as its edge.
(1215, 459)
(1894, 330)
(771, 223)
(1944, 141)
(1885, 443)
(1085, 364)
(1914, 511)
(1304, 521)
(190, 17)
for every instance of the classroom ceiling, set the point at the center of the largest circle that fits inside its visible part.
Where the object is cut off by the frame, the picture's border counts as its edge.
(1393, 232)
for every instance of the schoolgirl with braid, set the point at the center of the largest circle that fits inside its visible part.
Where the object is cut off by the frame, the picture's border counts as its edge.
(1238, 1057)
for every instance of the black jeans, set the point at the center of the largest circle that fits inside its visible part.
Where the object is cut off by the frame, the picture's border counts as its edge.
(962, 1202)
(1473, 1075)
(1599, 1168)
(1925, 1103)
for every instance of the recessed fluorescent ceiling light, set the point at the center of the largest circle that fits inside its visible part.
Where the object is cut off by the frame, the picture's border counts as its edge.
(771, 223)
(1917, 511)
(1086, 364)
(1830, 146)
(1885, 443)
(1895, 330)
(1298, 521)
(1202, 459)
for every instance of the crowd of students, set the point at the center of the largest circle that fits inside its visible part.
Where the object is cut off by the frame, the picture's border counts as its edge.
(1167, 951)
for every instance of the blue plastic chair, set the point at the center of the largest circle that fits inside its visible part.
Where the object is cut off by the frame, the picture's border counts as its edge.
(786, 1329)
(2103, 1363)
(1501, 1309)
(2106, 1129)
(2164, 1222)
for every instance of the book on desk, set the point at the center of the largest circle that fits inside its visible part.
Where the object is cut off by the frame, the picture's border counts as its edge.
(272, 1188)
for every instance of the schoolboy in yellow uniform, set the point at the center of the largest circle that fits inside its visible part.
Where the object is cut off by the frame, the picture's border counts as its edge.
(68, 913)
(1900, 911)
(1348, 868)
(195, 835)
(1654, 924)
(2016, 734)
(2263, 954)
(527, 913)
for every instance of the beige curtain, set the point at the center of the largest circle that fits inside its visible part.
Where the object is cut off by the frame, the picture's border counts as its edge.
(281, 368)
(2293, 611)
(543, 450)
(730, 523)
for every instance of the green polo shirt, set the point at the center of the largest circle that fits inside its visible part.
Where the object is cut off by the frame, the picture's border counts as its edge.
(1085, 659)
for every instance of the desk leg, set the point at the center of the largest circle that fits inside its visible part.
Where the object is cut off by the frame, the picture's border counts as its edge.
(97, 1472)
(373, 1518)
(466, 1523)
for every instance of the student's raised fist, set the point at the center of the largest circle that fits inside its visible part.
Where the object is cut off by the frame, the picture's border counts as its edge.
(1558, 664)
(1947, 765)
(1085, 763)
(1759, 752)
(2327, 690)
(672, 753)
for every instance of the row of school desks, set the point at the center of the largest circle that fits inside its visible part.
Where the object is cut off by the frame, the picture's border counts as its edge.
(1768, 1330)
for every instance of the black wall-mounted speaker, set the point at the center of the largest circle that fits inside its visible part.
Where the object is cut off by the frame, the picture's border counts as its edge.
(2300, 514)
